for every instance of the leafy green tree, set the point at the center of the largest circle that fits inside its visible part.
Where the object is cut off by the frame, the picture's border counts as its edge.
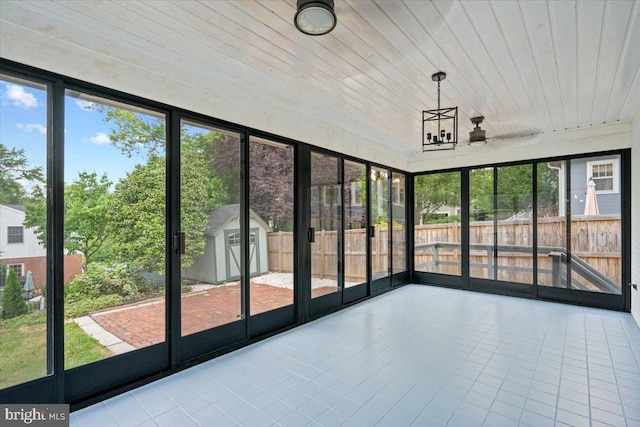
(87, 201)
(12, 303)
(481, 193)
(137, 216)
(135, 133)
(515, 186)
(14, 167)
(433, 191)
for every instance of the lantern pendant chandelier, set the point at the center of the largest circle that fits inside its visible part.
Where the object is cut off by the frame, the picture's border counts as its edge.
(439, 126)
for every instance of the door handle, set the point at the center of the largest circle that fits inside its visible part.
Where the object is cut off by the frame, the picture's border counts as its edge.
(372, 231)
(179, 243)
(311, 234)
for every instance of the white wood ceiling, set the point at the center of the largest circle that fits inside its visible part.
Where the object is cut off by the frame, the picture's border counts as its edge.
(530, 67)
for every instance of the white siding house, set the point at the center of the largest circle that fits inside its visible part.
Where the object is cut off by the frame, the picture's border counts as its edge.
(17, 241)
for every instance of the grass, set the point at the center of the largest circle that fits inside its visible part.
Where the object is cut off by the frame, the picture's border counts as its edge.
(80, 348)
(23, 351)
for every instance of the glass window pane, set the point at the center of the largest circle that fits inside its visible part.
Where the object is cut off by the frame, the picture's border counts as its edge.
(515, 224)
(23, 223)
(399, 231)
(271, 177)
(437, 223)
(552, 224)
(326, 219)
(114, 228)
(481, 236)
(596, 226)
(355, 223)
(379, 186)
(210, 219)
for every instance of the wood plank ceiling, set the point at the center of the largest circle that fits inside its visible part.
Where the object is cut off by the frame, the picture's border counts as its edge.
(529, 67)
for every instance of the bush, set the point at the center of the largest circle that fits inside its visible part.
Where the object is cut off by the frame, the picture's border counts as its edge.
(78, 308)
(12, 303)
(104, 279)
(443, 220)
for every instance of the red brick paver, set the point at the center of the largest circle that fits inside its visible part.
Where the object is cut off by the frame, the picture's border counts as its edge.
(143, 324)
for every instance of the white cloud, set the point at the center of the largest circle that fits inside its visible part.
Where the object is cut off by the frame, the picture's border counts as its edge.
(100, 138)
(20, 97)
(85, 105)
(31, 126)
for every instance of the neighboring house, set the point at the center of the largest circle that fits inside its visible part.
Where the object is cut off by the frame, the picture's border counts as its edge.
(21, 251)
(605, 172)
(221, 259)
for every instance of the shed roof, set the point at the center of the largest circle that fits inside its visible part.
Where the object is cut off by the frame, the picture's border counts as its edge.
(220, 216)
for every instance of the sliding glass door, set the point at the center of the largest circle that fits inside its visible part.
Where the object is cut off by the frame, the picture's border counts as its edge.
(114, 234)
(589, 267)
(271, 235)
(551, 229)
(211, 287)
(25, 317)
(355, 230)
(325, 234)
(379, 228)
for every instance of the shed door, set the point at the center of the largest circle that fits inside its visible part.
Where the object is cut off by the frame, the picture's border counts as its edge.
(232, 253)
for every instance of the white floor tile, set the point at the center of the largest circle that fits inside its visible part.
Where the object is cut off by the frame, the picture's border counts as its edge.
(423, 355)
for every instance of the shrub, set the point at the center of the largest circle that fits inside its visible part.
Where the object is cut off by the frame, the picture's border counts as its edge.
(443, 220)
(103, 279)
(80, 307)
(12, 303)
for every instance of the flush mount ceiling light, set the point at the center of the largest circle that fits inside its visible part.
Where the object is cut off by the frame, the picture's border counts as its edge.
(439, 126)
(315, 17)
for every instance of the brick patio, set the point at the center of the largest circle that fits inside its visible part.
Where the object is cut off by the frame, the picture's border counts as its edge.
(143, 324)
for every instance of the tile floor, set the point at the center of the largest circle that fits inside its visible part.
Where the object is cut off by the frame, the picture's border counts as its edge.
(417, 356)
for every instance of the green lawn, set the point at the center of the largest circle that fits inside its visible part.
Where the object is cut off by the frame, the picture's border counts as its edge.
(23, 352)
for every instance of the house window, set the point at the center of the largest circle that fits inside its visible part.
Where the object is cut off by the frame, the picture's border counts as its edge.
(18, 268)
(605, 175)
(15, 234)
(398, 192)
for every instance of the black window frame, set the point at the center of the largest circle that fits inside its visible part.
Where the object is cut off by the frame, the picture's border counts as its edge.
(619, 302)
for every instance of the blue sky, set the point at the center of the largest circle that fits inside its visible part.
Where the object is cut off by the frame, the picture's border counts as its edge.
(87, 148)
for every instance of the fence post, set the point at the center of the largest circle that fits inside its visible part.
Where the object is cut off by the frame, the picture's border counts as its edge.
(280, 268)
(322, 254)
(556, 269)
(434, 256)
(490, 263)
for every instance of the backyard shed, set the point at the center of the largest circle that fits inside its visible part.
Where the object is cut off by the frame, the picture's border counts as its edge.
(221, 259)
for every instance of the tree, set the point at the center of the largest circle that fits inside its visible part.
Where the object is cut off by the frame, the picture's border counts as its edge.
(135, 133)
(87, 201)
(137, 216)
(271, 184)
(12, 303)
(433, 191)
(271, 175)
(14, 167)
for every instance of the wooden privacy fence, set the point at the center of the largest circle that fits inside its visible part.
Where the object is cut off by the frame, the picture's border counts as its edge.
(596, 240)
(324, 253)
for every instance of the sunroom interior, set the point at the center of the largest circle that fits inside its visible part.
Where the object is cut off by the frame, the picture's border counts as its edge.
(247, 178)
